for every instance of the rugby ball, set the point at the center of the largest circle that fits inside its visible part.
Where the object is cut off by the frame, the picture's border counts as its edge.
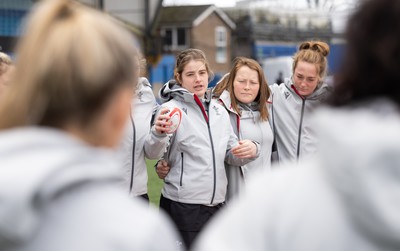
(175, 115)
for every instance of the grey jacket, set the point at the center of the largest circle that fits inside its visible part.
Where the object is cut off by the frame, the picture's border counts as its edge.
(57, 193)
(198, 149)
(247, 126)
(133, 148)
(290, 117)
(344, 198)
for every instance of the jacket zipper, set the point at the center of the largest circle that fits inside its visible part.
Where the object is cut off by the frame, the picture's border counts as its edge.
(133, 153)
(214, 168)
(198, 102)
(300, 126)
(301, 120)
(274, 144)
(180, 180)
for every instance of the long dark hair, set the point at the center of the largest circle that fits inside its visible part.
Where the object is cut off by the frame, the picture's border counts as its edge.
(371, 66)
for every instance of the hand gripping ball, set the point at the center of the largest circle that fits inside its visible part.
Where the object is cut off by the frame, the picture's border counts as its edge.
(175, 115)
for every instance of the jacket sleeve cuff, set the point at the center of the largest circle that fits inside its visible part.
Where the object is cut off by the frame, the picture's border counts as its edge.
(157, 134)
(258, 148)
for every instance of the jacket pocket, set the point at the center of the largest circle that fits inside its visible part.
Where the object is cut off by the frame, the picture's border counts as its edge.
(181, 178)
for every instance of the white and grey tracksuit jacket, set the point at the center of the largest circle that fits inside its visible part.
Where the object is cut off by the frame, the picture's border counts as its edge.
(247, 126)
(133, 149)
(59, 193)
(290, 115)
(344, 198)
(198, 149)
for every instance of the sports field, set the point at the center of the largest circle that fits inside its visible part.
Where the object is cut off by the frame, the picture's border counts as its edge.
(154, 184)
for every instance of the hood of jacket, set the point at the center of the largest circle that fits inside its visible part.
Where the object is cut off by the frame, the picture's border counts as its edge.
(172, 90)
(225, 99)
(361, 149)
(37, 165)
(320, 93)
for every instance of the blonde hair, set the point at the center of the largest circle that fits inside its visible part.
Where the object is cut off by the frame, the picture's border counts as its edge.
(70, 61)
(227, 83)
(313, 52)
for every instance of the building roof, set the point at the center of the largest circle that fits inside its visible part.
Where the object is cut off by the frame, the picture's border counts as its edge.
(190, 15)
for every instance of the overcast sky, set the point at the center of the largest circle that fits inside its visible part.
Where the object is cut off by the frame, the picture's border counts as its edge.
(339, 13)
(338, 4)
(219, 3)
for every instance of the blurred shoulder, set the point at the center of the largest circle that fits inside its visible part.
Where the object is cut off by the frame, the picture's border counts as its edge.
(98, 217)
(144, 86)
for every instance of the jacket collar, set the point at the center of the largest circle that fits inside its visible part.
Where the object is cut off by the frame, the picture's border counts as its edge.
(319, 93)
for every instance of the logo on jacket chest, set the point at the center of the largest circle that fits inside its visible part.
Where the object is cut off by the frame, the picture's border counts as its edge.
(287, 94)
(216, 109)
(139, 95)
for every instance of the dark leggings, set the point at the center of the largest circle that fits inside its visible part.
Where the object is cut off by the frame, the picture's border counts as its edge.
(188, 218)
(144, 197)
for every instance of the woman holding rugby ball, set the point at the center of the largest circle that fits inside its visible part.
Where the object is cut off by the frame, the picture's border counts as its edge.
(195, 186)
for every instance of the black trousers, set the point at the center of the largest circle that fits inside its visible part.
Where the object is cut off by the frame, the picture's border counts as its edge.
(144, 197)
(188, 218)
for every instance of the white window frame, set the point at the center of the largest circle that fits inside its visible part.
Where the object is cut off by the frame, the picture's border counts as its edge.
(221, 56)
(174, 45)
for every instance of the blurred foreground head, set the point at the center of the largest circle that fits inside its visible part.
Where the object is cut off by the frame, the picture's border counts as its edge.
(371, 66)
(72, 64)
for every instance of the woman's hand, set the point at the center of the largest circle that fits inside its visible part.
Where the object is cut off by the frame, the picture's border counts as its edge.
(245, 149)
(162, 122)
(162, 169)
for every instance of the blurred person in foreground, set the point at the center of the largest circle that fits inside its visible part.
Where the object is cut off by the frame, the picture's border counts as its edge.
(134, 148)
(60, 120)
(346, 198)
(6, 69)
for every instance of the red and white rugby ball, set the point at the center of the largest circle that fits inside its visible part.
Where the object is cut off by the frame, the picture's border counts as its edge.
(175, 115)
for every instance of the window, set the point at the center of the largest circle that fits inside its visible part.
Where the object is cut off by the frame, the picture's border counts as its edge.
(221, 44)
(175, 38)
(181, 34)
(168, 37)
